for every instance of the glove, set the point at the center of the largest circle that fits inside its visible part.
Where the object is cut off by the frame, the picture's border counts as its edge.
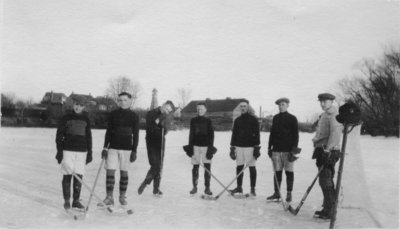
(211, 150)
(133, 156)
(293, 153)
(104, 154)
(89, 157)
(189, 150)
(59, 157)
(232, 154)
(292, 157)
(270, 153)
(331, 157)
(256, 152)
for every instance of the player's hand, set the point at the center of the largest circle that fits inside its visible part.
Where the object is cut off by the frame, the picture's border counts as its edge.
(256, 152)
(270, 153)
(133, 156)
(104, 154)
(232, 153)
(59, 157)
(89, 157)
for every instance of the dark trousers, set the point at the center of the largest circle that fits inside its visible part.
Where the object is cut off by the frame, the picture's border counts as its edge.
(155, 161)
(326, 180)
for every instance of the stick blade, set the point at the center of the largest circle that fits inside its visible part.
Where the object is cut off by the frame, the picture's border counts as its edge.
(292, 210)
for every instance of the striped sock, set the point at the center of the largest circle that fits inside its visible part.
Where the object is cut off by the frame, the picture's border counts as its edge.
(110, 181)
(123, 184)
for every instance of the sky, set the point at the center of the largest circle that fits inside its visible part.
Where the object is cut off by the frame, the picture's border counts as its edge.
(259, 50)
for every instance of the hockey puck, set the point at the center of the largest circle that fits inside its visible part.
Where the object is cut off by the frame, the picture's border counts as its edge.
(130, 212)
(75, 217)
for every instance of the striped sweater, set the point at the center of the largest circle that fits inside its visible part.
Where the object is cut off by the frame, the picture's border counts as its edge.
(74, 133)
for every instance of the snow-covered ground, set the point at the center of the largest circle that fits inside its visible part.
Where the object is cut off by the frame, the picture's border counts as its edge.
(31, 197)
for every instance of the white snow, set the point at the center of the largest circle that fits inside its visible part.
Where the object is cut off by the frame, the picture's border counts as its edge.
(31, 196)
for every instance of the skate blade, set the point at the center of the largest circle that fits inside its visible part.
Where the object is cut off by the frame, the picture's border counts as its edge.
(274, 200)
(242, 196)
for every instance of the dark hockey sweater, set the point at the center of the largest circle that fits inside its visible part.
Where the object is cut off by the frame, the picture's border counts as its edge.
(155, 122)
(122, 130)
(246, 131)
(201, 132)
(74, 133)
(284, 133)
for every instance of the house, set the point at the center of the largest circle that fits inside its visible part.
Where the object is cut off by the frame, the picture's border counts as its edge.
(55, 106)
(54, 98)
(220, 111)
(90, 102)
(105, 104)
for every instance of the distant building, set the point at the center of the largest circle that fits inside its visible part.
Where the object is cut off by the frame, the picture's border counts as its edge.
(90, 101)
(55, 106)
(105, 104)
(221, 111)
(54, 98)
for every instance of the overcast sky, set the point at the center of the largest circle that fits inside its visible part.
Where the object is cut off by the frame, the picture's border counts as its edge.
(259, 50)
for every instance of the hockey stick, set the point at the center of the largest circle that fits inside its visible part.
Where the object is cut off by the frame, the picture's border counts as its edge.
(94, 186)
(212, 175)
(295, 211)
(339, 177)
(162, 152)
(226, 187)
(277, 185)
(65, 167)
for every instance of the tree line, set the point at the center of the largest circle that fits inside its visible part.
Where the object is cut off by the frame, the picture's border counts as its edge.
(375, 88)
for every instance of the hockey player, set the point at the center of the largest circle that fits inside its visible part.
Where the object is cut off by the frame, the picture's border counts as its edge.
(120, 144)
(201, 146)
(326, 151)
(283, 141)
(245, 147)
(155, 143)
(74, 150)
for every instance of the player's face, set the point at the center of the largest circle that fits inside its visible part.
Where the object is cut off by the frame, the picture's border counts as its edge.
(166, 109)
(124, 102)
(283, 107)
(201, 110)
(326, 104)
(244, 107)
(78, 108)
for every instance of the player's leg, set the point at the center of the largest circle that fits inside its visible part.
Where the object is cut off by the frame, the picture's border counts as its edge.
(124, 165)
(289, 175)
(240, 161)
(111, 166)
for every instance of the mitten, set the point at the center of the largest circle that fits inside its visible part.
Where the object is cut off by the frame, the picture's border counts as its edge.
(256, 152)
(189, 150)
(211, 150)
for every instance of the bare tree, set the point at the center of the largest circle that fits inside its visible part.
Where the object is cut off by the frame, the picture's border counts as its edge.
(377, 92)
(123, 84)
(184, 95)
(8, 100)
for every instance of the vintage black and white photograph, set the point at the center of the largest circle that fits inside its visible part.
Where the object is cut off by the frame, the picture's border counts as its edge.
(199, 114)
